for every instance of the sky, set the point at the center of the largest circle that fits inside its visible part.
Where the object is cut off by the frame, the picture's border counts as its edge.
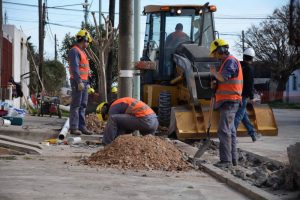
(26, 17)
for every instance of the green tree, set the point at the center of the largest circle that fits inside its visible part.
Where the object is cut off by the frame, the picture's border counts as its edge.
(54, 75)
(270, 40)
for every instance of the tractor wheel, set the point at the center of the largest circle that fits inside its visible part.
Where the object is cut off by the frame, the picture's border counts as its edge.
(164, 109)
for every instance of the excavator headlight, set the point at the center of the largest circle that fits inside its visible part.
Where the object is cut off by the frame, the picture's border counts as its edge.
(179, 11)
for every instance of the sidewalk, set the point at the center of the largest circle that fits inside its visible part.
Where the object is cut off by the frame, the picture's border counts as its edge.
(288, 122)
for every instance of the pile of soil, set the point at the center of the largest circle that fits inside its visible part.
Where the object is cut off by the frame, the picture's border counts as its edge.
(94, 124)
(140, 153)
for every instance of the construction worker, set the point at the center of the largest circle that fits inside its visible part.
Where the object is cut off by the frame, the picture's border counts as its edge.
(114, 93)
(228, 99)
(177, 37)
(127, 115)
(248, 89)
(79, 74)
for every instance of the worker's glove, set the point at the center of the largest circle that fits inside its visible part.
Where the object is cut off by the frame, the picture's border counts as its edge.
(213, 84)
(80, 86)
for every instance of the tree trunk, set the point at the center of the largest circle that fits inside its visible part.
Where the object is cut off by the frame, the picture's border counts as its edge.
(276, 88)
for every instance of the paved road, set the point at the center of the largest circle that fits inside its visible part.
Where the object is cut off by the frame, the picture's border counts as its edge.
(288, 121)
(50, 178)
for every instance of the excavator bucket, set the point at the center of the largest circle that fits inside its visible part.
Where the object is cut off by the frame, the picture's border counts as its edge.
(190, 125)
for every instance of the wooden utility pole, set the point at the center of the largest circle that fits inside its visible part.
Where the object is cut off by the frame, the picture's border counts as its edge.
(125, 64)
(1, 43)
(55, 47)
(111, 16)
(41, 36)
(243, 40)
(86, 12)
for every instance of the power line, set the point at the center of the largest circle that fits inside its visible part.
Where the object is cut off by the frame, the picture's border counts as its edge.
(63, 25)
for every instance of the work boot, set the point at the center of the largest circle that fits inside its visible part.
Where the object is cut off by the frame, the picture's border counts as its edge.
(75, 132)
(86, 132)
(223, 164)
(253, 138)
(234, 162)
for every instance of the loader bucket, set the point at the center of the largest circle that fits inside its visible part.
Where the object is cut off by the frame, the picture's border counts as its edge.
(189, 124)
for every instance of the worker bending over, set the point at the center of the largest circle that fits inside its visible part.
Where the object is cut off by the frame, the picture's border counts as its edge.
(228, 99)
(127, 115)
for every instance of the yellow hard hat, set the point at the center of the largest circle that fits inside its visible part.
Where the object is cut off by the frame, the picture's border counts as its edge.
(91, 91)
(114, 90)
(84, 33)
(217, 43)
(101, 111)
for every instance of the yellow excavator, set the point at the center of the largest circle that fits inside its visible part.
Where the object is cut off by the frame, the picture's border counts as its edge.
(175, 74)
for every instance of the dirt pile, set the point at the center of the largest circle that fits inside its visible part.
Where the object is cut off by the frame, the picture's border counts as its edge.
(140, 153)
(94, 124)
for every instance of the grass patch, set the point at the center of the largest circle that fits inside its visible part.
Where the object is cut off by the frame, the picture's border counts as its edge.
(283, 105)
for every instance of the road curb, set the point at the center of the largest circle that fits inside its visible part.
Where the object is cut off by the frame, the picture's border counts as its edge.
(237, 184)
(233, 182)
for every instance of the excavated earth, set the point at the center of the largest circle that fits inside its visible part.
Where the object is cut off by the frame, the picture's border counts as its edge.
(94, 124)
(140, 153)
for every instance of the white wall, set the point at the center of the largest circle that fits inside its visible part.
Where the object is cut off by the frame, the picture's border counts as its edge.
(292, 92)
(20, 64)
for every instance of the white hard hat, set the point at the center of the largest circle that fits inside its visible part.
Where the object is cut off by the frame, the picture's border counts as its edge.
(249, 52)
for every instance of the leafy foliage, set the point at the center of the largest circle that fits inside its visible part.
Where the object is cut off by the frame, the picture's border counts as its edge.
(54, 75)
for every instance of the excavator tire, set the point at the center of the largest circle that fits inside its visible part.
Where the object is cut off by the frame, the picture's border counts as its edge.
(164, 109)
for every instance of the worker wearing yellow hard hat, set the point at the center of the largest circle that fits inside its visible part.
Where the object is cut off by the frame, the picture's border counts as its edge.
(79, 75)
(114, 90)
(227, 99)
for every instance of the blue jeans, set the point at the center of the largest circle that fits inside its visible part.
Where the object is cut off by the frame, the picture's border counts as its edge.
(242, 115)
(78, 106)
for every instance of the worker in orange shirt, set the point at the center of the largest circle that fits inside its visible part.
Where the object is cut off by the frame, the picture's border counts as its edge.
(127, 115)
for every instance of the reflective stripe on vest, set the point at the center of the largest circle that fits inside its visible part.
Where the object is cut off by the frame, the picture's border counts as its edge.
(84, 67)
(231, 89)
(135, 107)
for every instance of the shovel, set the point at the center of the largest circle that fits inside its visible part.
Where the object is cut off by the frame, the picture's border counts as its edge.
(207, 141)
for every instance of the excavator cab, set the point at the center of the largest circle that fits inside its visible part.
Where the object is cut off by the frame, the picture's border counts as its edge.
(162, 39)
(177, 83)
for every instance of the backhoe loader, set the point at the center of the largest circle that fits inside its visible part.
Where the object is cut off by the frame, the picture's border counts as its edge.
(175, 77)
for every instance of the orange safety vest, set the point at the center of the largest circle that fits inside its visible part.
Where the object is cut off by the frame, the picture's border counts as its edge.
(135, 107)
(231, 89)
(84, 67)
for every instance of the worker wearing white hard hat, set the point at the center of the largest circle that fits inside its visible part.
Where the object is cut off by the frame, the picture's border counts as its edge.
(248, 93)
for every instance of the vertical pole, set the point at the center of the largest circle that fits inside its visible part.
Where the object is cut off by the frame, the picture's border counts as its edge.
(125, 64)
(243, 40)
(137, 22)
(41, 38)
(5, 17)
(85, 12)
(55, 47)
(100, 11)
(1, 44)
(111, 52)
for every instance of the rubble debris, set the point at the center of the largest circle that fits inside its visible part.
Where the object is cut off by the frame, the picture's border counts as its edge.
(140, 153)
(94, 124)
(294, 158)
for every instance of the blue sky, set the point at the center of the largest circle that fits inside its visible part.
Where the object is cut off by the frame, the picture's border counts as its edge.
(27, 17)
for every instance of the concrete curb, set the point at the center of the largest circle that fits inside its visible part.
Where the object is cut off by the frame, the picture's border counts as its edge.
(19, 141)
(20, 147)
(239, 185)
(235, 183)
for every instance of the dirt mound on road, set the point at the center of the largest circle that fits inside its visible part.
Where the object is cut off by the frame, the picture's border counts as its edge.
(94, 124)
(140, 153)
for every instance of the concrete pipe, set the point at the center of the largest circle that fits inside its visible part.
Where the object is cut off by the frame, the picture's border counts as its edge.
(64, 131)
